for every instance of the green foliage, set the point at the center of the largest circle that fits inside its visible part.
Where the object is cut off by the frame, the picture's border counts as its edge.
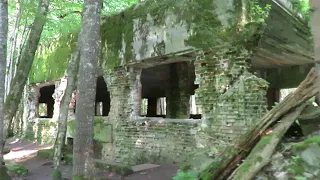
(256, 12)
(59, 36)
(306, 143)
(185, 176)
(296, 167)
(302, 7)
(56, 175)
(300, 178)
(52, 60)
(79, 177)
(17, 170)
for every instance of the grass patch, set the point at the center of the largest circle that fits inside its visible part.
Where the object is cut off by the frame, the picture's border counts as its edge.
(45, 153)
(17, 170)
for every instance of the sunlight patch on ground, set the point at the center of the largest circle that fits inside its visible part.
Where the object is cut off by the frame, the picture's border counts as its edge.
(19, 154)
(15, 141)
(22, 150)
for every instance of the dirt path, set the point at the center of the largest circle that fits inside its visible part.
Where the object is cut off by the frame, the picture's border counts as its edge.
(24, 152)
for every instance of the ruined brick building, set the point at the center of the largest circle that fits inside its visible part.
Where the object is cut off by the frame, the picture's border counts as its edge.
(230, 60)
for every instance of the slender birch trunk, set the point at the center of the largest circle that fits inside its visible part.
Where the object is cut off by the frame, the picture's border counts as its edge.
(90, 44)
(12, 47)
(63, 114)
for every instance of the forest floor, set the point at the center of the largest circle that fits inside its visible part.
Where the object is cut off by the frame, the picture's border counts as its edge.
(25, 153)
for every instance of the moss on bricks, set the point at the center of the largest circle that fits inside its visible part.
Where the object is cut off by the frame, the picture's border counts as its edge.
(46, 153)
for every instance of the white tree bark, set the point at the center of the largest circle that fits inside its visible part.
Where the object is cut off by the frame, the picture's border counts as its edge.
(63, 113)
(12, 47)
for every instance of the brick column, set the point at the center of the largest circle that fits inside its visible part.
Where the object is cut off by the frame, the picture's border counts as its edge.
(178, 93)
(231, 98)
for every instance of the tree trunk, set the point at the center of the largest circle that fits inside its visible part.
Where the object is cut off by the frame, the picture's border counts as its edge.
(262, 152)
(315, 26)
(90, 44)
(233, 155)
(12, 47)
(3, 59)
(20, 79)
(24, 35)
(63, 115)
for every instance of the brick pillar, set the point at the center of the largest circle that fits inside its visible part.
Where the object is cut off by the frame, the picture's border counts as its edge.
(125, 93)
(178, 92)
(152, 107)
(231, 98)
(60, 88)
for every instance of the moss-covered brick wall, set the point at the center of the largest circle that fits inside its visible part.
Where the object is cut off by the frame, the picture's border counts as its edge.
(231, 98)
(148, 29)
(151, 140)
(102, 130)
(42, 130)
(152, 29)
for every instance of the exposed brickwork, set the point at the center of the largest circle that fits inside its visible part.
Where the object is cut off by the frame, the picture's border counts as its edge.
(43, 130)
(133, 138)
(231, 98)
(156, 141)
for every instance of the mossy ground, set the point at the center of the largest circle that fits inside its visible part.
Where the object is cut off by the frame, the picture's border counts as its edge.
(306, 143)
(17, 170)
(56, 175)
(46, 153)
(4, 173)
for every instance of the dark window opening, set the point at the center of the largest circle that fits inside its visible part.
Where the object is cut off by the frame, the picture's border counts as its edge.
(102, 98)
(46, 100)
(160, 87)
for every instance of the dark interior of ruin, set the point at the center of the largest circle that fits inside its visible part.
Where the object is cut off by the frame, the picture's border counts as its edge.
(46, 97)
(159, 80)
(102, 98)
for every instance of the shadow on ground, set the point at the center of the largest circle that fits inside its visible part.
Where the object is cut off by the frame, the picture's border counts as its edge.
(24, 152)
